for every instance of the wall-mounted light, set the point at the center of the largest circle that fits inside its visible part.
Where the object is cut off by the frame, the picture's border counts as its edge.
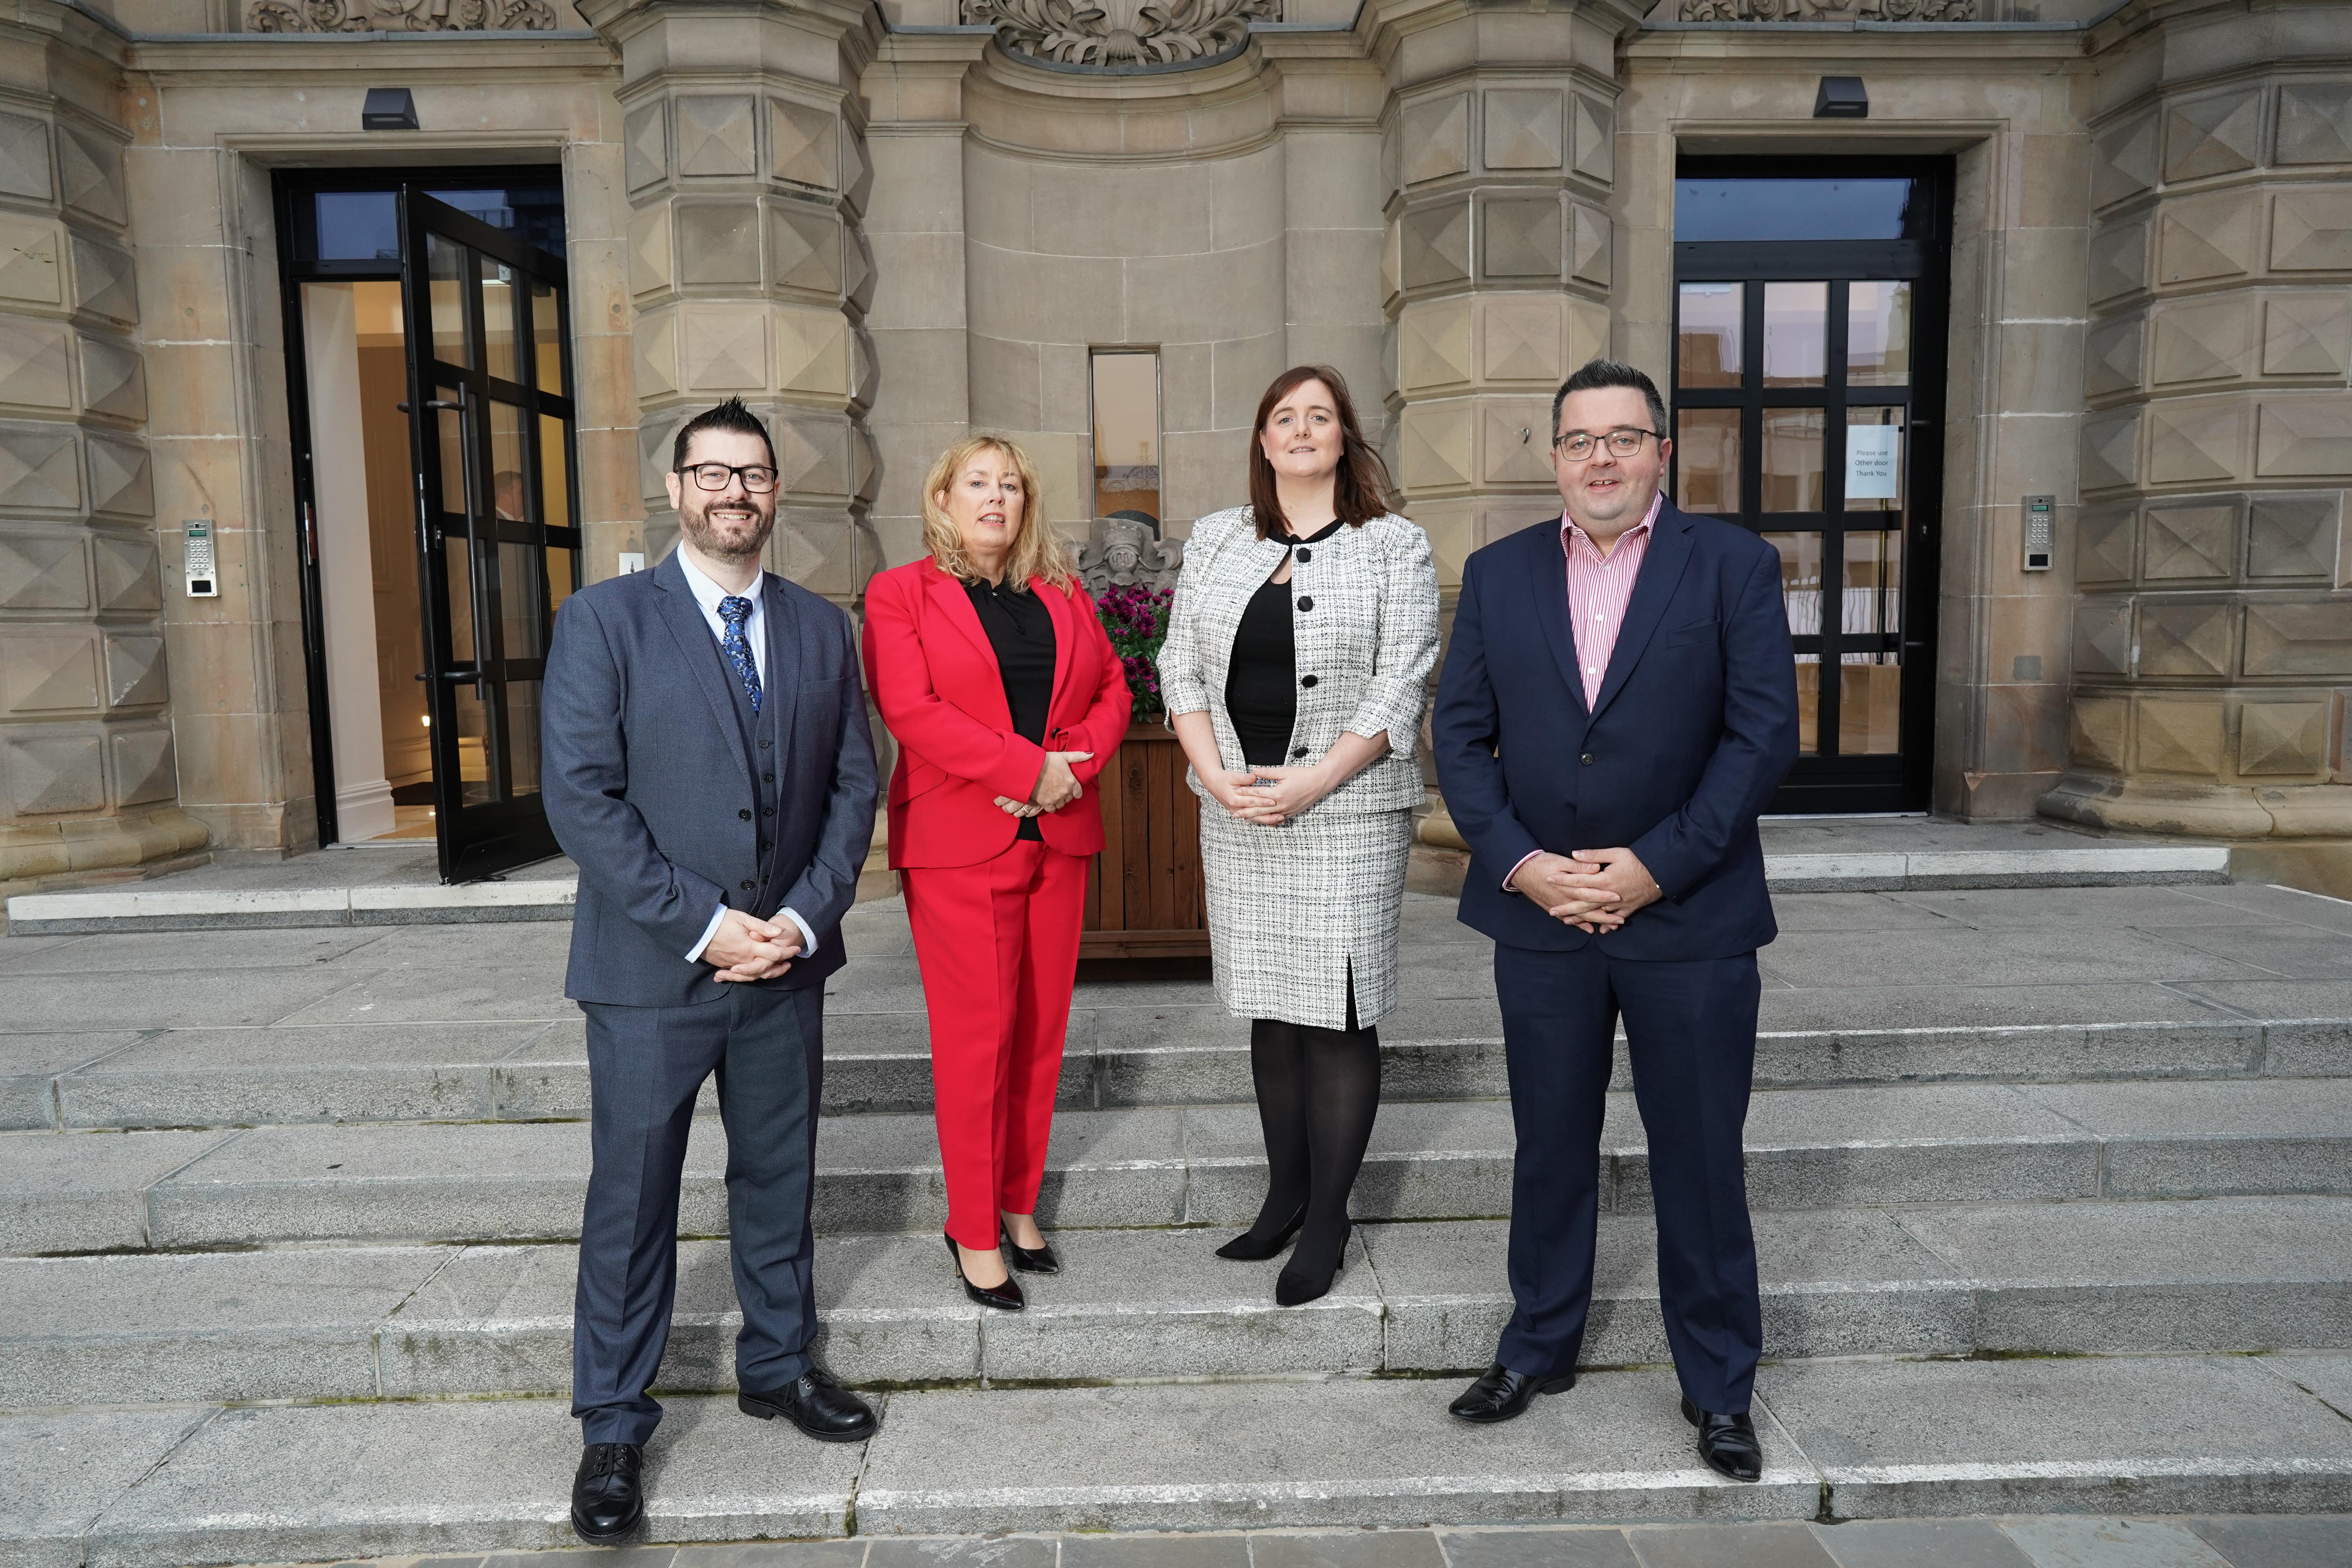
(1842, 97)
(388, 108)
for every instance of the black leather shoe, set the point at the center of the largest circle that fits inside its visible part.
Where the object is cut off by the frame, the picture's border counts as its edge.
(1038, 1260)
(815, 1403)
(608, 1493)
(1500, 1394)
(1294, 1288)
(1004, 1298)
(1728, 1443)
(1241, 1250)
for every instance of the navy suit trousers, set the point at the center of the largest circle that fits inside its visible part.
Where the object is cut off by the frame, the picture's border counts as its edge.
(645, 1068)
(1690, 1029)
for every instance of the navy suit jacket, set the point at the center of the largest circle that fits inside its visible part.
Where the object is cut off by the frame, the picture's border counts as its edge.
(648, 786)
(1694, 728)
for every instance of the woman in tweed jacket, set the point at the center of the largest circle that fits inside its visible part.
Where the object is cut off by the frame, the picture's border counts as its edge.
(1295, 673)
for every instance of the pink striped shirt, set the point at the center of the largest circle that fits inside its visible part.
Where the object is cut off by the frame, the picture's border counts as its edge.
(1599, 588)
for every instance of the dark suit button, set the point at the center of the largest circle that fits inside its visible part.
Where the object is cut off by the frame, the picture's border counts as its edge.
(1303, 554)
(765, 744)
(746, 816)
(767, 778)
(1586, 759)
(1306, 680)
(1306, 601)
(767, 811)
(748, 885)
(1299, 752)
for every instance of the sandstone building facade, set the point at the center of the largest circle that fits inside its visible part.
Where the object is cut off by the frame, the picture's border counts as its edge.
(2036, 368)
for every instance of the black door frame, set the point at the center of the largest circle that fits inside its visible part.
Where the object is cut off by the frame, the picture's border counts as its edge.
(298, 265)
(1832, 784)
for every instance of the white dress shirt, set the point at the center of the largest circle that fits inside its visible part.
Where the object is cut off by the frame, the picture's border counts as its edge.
(708, 593)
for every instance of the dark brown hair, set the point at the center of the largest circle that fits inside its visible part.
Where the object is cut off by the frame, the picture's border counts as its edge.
(729, 415)
(1360, 489)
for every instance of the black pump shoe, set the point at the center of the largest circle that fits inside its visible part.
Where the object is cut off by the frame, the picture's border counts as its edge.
(1728, 1443)
(1004, 1298)
(1241, 1250)
(608, 1492)
(1500, 1394)
(1295, 1289)
(1037, 1259)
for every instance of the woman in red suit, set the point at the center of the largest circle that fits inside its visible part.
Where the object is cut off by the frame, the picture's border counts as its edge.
(1002, 689)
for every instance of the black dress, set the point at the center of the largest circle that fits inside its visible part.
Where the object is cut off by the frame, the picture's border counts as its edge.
(1021, 629)
(1262, 679)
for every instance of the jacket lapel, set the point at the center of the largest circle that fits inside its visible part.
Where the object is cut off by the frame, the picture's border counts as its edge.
(699, 653)
(1661, 573)
(1547, 579)
(781, 694)
(949, 600)
(1064, 610)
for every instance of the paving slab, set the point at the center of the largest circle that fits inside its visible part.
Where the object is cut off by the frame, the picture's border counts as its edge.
(2292, 952)
(2201, 1046)
(2078, 953)
(1920, 1543)
(2202, 1140)
(1370, 1452)
(281, 1324)
(2092, 1541)
(87, 1191)
(1559, 1546)
(1787, 1543)
(160, 999)
(2161, 1435)
(319, 1483)
(2279, 1542)
(30, 1065)
(2142, 908)
(199, 949)
(434, 993)
(1992, 1003)
(2328, 1378)
(66, 1466)
(2283, 903)
(1425, 1161)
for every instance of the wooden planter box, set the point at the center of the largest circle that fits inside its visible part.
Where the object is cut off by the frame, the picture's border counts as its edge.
(1144, 893)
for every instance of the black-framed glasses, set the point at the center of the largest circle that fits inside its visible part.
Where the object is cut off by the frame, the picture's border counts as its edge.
(758, 478)
(1622, 442)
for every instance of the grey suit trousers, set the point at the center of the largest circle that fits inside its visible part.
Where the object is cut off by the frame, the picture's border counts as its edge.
(645, 1067)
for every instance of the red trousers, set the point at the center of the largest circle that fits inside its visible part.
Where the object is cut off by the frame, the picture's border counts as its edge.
(998, 947)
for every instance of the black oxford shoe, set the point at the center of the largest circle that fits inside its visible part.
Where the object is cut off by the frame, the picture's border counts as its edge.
(608, 1494)
(1500, 1394)
(815, 1403)
(1728, 1443)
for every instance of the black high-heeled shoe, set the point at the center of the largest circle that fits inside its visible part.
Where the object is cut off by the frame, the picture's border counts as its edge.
(1004, 1298)
(1037, 1259)
(1241, 1250)
(1292, 1288)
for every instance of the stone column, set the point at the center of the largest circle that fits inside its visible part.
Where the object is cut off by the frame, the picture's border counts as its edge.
(2213, 631)
(88, 781)
(743, 154)
(1496, 275)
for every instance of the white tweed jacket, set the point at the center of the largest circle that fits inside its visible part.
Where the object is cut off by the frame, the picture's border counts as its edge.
(1369, 641)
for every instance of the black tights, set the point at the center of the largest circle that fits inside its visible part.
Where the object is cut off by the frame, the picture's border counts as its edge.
(1317, 1092)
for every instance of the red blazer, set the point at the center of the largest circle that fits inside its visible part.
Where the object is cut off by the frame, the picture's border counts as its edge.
(937, 682)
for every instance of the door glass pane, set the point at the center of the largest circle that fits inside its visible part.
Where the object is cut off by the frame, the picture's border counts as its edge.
(1873, 582)
(554, 475)
(1878, 335)
(1127, 437)
(522, 623)
(1706, 459)
(507, 496)
(498, 319)
(476, 787)
(1792, 460)
(1796, 333)
(560, 581)
(457, 551)
(1708, 334)
(453, 458)
(357, 226)
(522, 738)
(1801, 592)
(445, 289)
(547, 336)
(1873, 460)
(534, 213)
(1797, 209)
(1870, 705)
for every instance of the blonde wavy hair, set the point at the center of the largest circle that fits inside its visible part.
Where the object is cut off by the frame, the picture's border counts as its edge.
(1037, 550)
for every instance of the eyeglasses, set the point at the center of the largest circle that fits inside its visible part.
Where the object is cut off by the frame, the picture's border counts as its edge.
(1623, 442)
(757, 480)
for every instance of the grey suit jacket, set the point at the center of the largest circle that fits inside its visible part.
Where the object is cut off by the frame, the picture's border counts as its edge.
(648, 786)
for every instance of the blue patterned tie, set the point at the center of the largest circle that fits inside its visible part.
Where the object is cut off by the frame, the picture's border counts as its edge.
(735, 611)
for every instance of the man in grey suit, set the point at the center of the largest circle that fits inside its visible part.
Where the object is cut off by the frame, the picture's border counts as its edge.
(705, 760)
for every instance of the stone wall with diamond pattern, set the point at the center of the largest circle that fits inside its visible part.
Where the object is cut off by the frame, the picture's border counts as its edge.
(87, 777)
(2212, 637)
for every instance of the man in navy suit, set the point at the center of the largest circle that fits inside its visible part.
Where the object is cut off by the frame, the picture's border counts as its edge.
(706, 760)
(1618, 704)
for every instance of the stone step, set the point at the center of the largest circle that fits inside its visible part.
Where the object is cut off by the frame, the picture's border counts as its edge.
(1808, 1149)
(163, 1486)
(1142, 1305)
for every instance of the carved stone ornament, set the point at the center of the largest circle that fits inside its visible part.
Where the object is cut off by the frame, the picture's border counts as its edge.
(1164, 34)
(1829, 10)
(1121, 553)
(399, 16)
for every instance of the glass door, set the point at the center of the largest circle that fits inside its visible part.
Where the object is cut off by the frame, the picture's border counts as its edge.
(1808, 379)
(491, 428)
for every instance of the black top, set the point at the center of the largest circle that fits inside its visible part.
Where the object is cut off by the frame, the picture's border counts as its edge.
(1262, 680)
(1021, 629)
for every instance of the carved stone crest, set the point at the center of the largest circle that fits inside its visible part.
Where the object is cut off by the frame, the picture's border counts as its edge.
(1166, 33)
(1829, 10)
(1122, 553)
(399, 16)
